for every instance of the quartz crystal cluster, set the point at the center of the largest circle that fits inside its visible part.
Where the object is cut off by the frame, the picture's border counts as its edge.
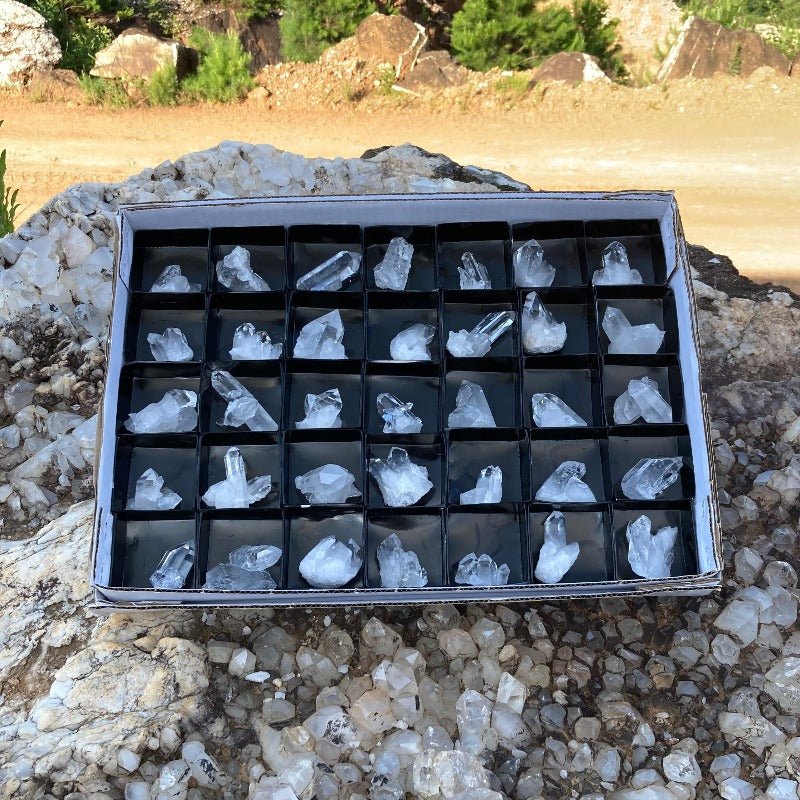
(332, 274)
(396, 415)
(488, 489)
(641, 400)
(633, 339)
(472, 274)
(331, 564)
(323, 410)
(242, 408)
(565, 485)
(151, 495)
(246, 569)
(650, 555)
(252, 345)
(235, 273)
(412, 343)
(651, 477)
(478, 341)
(235, 491)
(399, 568)
(175, 412)
(322, 338)
(170, 345)
(472, 408)
(392, 272)
(541, 333)
(172, 280)
(550, 411)
(556, 557)
(174, 567)
(474, 570)
(400, 480)
(531, 270)
(329, 483)
(616, 270)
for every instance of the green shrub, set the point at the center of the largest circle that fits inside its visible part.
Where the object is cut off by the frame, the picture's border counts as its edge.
(105, 92)
(310, 26)
(258, 9)
(162, 89)
(8, 199)
(224, 71)
(599, 36)
(513, 86)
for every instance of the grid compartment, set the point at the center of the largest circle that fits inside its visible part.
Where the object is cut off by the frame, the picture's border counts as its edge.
(489, 242)
(150, 314)
(642, 241)
(562, 243)
(311, 245)
(422, 276)
(419, 385)
(154, 250)
(578, 385)
(267, 248)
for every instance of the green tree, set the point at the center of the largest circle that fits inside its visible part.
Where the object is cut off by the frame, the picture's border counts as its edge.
(224, 71)
(599, 35)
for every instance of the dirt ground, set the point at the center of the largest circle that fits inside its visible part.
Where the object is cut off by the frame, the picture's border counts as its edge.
(729, 147)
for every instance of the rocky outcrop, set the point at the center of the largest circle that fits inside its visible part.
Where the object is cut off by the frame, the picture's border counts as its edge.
(389, 39)
(59, 85)
(138, 54)
(434, 70)
(643, 27)
(26, 44)
(569, 68)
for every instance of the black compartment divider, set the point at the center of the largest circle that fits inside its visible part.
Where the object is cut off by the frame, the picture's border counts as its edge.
(563, 246)
(642, 240)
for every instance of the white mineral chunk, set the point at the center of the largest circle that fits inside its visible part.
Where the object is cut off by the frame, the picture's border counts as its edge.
(650, 477)
(412, 343)
(616, 269)
(472, 274)
(530, 268)
(401, 482)
(174, 567)
(258, 557)
(242, 408)
(626, 338)
(397, 416)
(235, 273)
(650, 556)
(236, 491)
(252, 345)
(481, 570)
(392, 272)
(641, 399)
(550, 411)
(172, 279)
(565, 485)
(478, 342)
(322, 338)
(323, 410)
(175, 412)
(329, 483)
(556, 556)
(489, 488)
(540, 331)
(331, 564)
(399, 569)
(225, 577)
(332, 273)
(150, 494)
(19, 395)
(472, 408)
(170, 346)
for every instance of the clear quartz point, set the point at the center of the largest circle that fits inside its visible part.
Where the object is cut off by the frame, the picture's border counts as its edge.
(400, 480)
(411, 344)
(258, 557)
(243, 408)
(170, 345)
(650, 556)
(322, 338)
(641, 399)
(332, 273)
(322, 410)
(397, 416)
(236, 491)
(172, 279)
(556, 556)
(399, 568)
(626, 338)
(329, 483)
(488, 489)
(392, 272)
(541, 333)
(478, 342)
(252, 345)
(650, 477)
(331, 564)
(174, 567)
(175, 412)
(472, 408)
(530, 268)
(472, 274)
(616, 270)
(235, 273)
(150, 494)
(227, 577)
(565, 485)
(550, 411)
(481, 570)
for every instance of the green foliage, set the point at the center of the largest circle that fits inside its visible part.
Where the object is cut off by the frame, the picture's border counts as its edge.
(162, 89)
(224, 71)
(310, 26)
(258, 9)
(599, 37)
(105, 92)
(160, 16)
(513, 86)
(8, 199)
(386, 80)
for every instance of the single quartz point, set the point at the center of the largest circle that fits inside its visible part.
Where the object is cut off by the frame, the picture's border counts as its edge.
(236, 491)
(225, 577)
(323, 410)
(392, 272)
(565, 485)
(399, 569)
(472, 408)
(481, 570)
(235, 273)
(530, 267)
(540, 331)
(172, 279)
(322, 338)
(472, 274)
(556, 556)
(641, 399)
(170, 346)
(626, 338)
(257, 557)
(243, 408)
(489, 488)
(650, 556)
(331, 563)
(252, 345)
(550, 411)
(332, 273)
(150, 494)
(478, 342)
(327, 484)
(175, 412)
(650, 477)
(412, 343)
(397, 415)
(401, 482)
(174, 567)
(616, 269)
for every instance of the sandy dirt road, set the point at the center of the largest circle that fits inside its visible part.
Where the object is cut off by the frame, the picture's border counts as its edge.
(731, 150)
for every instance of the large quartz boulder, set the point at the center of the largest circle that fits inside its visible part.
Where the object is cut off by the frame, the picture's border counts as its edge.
(570, 68)
(389, 39)
(644, 26)
(26, 44)
(138, 54)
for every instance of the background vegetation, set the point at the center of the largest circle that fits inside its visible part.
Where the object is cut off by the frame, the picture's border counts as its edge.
(8, 199)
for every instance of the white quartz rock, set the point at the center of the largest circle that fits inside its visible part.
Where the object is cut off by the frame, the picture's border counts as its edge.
(235, 491)
(252, 345)
(235, 273)
(565, 485)
(400, 480)
(172, 279)
(170, 346)
(392, 271)
(541, 333)
(489, 488)
(331, 564)
(472, 274)
(632, 339)
(150, 494)
(411, 344)
(242, 408)
(399, 568)
(474, 570)
(174, 567)
(329, 483)
(616, 269)
(556, 557)
(472, 408)
(322, 410)
(651, 477)
(550, 411)
(530, 267)
(650, 555)
(176, 412)
(478, 341)
(322, 338)
(332, 273)
(641, 400)
(397, 415)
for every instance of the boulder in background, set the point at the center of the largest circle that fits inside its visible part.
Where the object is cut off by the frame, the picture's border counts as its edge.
(389, 39)
(138, 54)
(26, 44)
(570, 68)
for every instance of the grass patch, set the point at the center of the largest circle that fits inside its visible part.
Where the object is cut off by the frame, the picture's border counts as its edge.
(8, 199)
(105, 92)
(512, 85)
